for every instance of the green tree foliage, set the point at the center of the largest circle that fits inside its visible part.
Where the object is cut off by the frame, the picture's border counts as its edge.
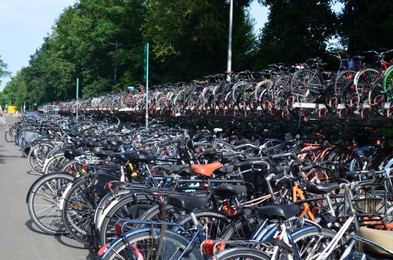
(296, 30)
(104, 43)
(3, 69)
(101, 42)
(15, 92)
(189, 38)
(366, 25)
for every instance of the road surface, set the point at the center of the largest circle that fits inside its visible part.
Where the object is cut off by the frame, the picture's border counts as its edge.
(19, 237)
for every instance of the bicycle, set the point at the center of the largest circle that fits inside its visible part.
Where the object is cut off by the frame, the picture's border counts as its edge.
(353, 230)
(157, 239)
(369, 82)
(313, 83)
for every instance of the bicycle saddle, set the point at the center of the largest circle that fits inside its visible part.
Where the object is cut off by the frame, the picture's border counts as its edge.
(72, 153)
(104, 153)
(186, 202)
(321, 188)
(206, 169)
(123, 156)
(228, 190)
(279, 211)
(142, 156)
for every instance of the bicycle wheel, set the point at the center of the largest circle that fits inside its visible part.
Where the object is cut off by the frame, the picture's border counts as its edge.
(37, 155)
(364, 80)
(148, 242)
(242, 229)
(238, 90)
(73, 167)
(55, 163)
(213, 223)
(301, 84)
(341, 81)
(132, 205)
(376, 96)
(154, 214)
(10, 134)
(241, 253)
(311, 241)
(78, 210)
(44, 199)
(388, 83)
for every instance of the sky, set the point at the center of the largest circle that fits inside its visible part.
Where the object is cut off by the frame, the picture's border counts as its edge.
(25, 23)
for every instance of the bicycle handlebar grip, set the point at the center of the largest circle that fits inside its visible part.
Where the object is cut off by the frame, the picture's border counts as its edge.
(356, 174)
(320, 164)
(307, 167)
(255, 162)
(241, 146)
(281, 155)
(280, 169)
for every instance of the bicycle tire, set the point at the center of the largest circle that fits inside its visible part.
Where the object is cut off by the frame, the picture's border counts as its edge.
(375, 92)
(342, 79)
(363, 81)
(300, 85)
(9, 134)
(43, 201)
(154, 214)
(54, 163)
(388, 83)
(126, 207)
(214, 223)
(240, 253)
(78, 210)
(73, 167)
(172, 246)
(104, 203)
(37, 155)
(242, 229)
(312, 240)
(238, 90)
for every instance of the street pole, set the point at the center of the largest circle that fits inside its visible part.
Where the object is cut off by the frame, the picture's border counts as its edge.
(77, 99)
(147, 83)
(229, 61)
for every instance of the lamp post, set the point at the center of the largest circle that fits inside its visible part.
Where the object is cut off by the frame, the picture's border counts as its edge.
(146, 76)
(77, 100)
(229, 60)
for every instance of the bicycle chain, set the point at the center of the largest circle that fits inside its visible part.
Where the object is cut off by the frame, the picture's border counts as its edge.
(150, 253)
(160, 242)
(162, 233)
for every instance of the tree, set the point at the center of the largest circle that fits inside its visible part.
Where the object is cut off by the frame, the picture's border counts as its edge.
(296, 30)
(3, 69)
(189, 39)
(104, 42)
(366, 25)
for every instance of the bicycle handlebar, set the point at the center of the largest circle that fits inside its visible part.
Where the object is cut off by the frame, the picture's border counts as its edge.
(283, 155)
(321, 164)
(379, 54)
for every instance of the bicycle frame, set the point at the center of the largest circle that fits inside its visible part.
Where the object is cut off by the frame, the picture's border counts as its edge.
(352, 220)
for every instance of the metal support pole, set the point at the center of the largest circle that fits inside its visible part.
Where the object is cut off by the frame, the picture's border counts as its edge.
(77, 99)
(229, 61)
(147, 83)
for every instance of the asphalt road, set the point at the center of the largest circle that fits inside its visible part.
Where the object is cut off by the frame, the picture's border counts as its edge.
(19, 237)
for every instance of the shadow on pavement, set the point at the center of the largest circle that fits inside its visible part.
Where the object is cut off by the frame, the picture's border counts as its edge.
(64, 240)
(70, 242)
(30, 226)
(3, 158)
(30, 172)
